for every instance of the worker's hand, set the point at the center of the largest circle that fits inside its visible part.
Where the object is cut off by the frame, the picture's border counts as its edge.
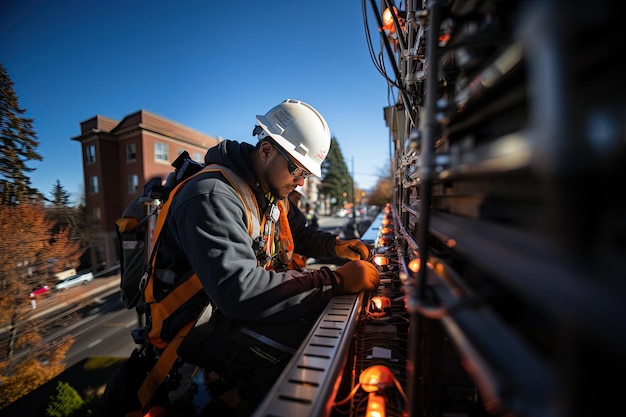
(352, 249)
(357, 276)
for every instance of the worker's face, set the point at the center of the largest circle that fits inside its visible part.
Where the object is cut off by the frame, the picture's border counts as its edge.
(283, 174)
(294, 168)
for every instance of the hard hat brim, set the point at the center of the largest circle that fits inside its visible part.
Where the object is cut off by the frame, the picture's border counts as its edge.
(276, 134)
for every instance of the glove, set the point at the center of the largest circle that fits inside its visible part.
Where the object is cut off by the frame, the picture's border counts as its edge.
(351, 249)
(357, 276)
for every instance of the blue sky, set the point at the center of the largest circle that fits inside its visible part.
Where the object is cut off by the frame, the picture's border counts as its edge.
(210, 65)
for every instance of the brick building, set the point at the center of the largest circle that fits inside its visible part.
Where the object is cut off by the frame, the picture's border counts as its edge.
(119, 157)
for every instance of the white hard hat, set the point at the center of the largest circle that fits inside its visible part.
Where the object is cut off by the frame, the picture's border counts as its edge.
(300, 130)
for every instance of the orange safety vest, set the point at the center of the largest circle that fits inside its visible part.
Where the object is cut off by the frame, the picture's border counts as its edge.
(279, 243)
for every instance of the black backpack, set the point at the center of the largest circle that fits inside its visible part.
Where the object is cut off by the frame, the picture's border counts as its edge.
(138, 231)
(135, 227)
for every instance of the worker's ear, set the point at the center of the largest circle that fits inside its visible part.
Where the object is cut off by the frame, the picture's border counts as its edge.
(265, 149)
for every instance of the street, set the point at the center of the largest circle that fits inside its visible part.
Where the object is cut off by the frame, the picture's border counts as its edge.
(95, 317)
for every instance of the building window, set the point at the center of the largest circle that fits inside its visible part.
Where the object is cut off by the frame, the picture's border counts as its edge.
(95, 216)
(161, 153)
(197, 156)
(93, 185)
(133, 183)
(131, 151)
(90, 154)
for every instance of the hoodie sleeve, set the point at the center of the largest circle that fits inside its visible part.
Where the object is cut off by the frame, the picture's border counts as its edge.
(210, 226)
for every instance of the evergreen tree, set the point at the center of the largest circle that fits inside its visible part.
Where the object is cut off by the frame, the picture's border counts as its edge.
(66, 218)
(18, 145)
(336, 179)
(60, 197)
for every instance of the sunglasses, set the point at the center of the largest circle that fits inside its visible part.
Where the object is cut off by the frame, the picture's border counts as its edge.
(295, 171)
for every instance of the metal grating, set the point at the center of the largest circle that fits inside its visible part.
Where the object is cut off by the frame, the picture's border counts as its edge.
(308, 385)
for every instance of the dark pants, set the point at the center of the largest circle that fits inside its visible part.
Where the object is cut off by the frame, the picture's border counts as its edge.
(120, 395)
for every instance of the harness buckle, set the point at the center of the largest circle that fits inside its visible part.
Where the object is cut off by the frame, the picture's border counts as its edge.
(273, 213)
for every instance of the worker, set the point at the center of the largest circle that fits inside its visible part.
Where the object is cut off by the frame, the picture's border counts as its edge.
(263, 314)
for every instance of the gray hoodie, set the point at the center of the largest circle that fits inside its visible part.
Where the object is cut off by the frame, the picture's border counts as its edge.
(206, 231)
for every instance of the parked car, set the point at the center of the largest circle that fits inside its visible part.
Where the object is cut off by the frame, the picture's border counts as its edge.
(41, 290)
(343, 212)
(347, 212)
(75, 280)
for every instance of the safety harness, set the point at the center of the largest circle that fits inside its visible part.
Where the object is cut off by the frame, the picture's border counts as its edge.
(275, 245)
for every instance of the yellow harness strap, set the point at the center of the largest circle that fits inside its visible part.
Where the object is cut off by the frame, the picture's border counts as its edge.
(286, 240)
(169, 304)
(160, 310)
(277, 234)
(161, 368)
(127, 224)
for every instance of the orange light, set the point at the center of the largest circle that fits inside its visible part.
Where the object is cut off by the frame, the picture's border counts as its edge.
(378, 304)
(375, 405)
(376, 378)
(444, 39)
(380, 260)
(388, 20)
(385, 221)
(414, 265)
(385, 230)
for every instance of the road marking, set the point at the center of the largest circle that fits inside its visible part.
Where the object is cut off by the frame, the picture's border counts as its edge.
(118, 324)
(92, 344)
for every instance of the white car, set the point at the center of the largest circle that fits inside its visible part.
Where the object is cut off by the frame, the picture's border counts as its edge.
(342, 212)
(75, 280)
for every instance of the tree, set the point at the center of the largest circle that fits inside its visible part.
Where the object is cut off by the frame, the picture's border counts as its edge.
(383, 190)
(30, 251)
(60, 197)
(18, 144)
(65, 217)
(44, 362)
(336, 179)
(65, 402)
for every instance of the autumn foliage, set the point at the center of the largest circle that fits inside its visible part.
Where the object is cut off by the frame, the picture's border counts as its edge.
(21, 376)
(31, 249)
(30, 252)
